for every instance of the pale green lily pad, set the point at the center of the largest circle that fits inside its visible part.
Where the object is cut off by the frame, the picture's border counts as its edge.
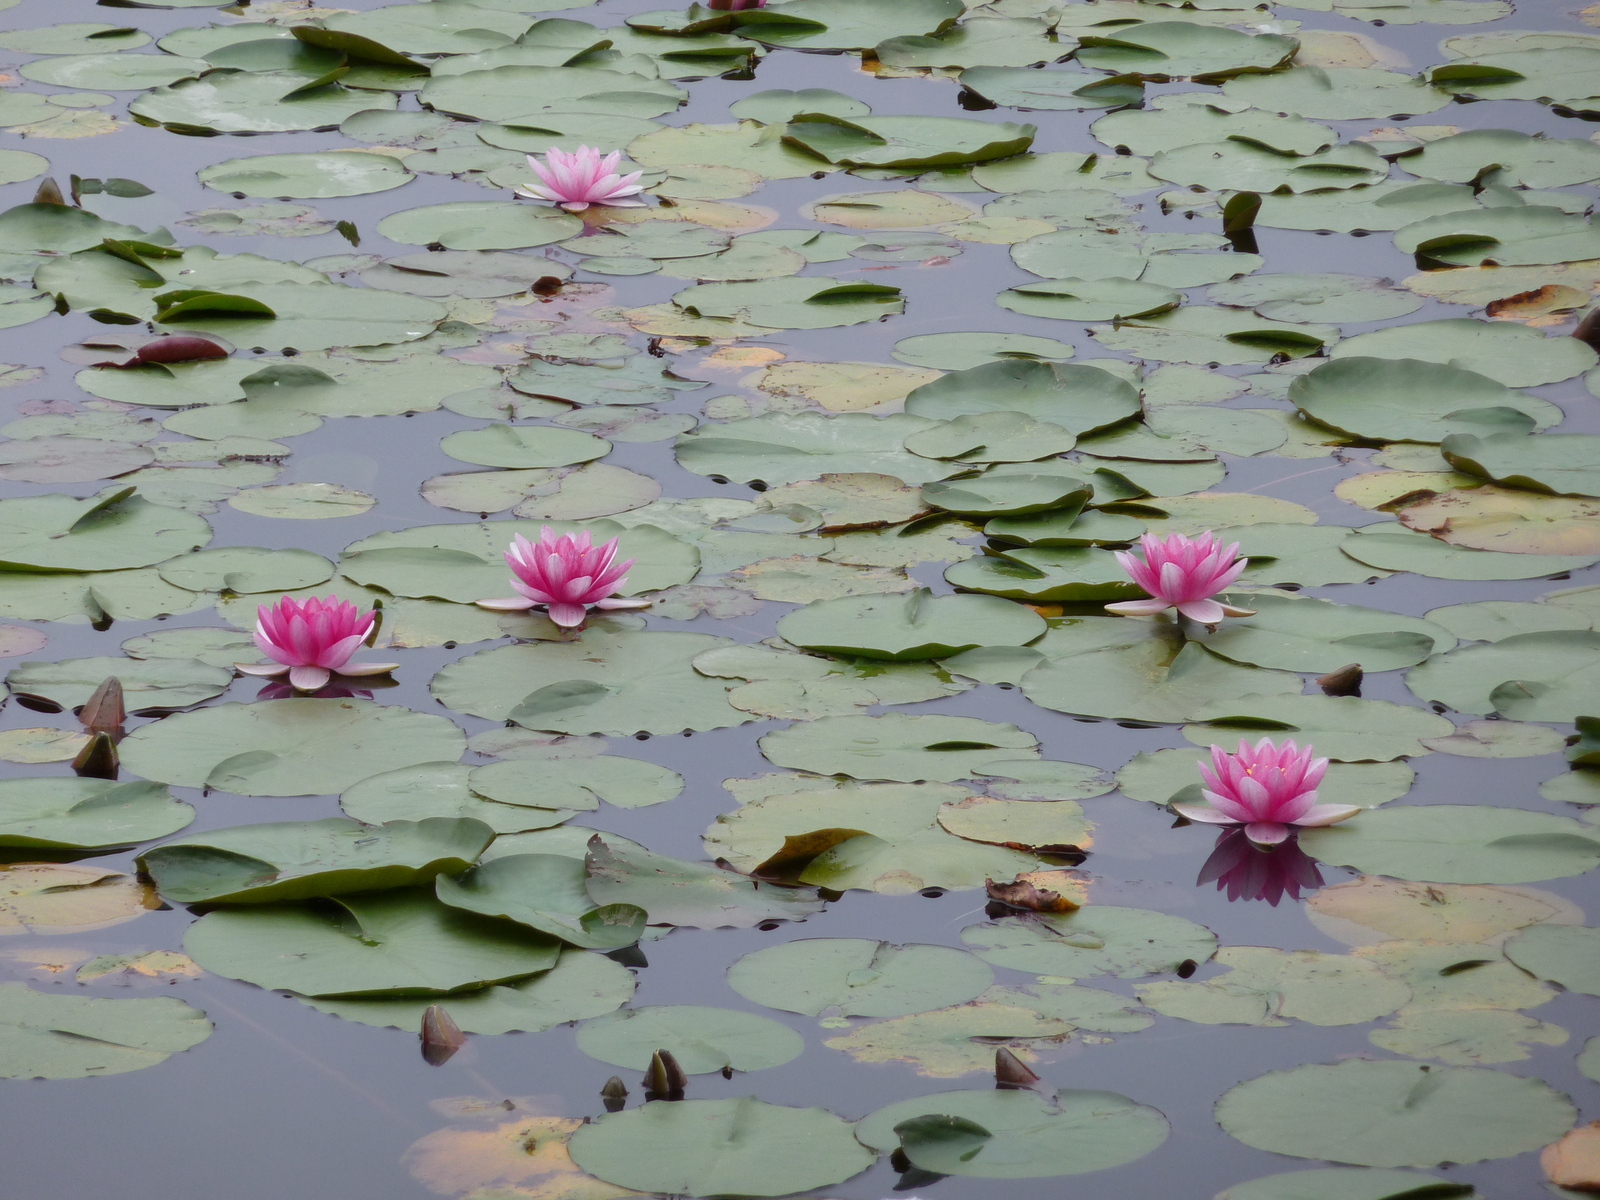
(1099, 939)
(1429, 1115)
(151, 688)
(841, 25)
(958, 351)
(1301, 634)
(480, 225)
(1336, 299)
(1343, 728)
(86, 814)
(1513, 354)
(317, 176)
(1046, 574)
(1187, 118)
(1215, 335)
(301, 860)
(906, 143)
(676, 892)
(1082, 398)
(524, 446)
(1051, 91)
(1446, 843)
(296, 747)
(1337, 93)
(781, 448)
(858, 977)
(1411, 400)
(246, 569)
(401, 942)
(916, 626)
(897, 746)
(720, 1147)
(1024, 1135)
(118, 529)
(703, 1040)
(439, 789)
(544, 892)
(1550, 676)
(1393, 547)
(45, 1035)
(579, 986)
(577, 782)
(628, 682)
(1340, 1183)
(1467, 1038)
(1558, 463)
(1270, 987)
(514, 93)
(1564, 954)
(250, 102)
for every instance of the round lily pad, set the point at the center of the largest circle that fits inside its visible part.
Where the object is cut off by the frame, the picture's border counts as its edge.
(439, 789)
(1549, 676)
(296, 747)
(1341, 1183)
(912, 627)
(1564, 954)
(1300, 634)
(154, 686)
(1513, 354)
(1451, 843)
(318, 176)
(1394, 1114)
(1100, 939)
(401, 942)
(1080, 398)
(545, 892)
(45, 1035)
(86, 814)
(102, 533)
(703, 1040)
(246, 569)
(1410, 400)
(897, 746)
(524, 446)
(624, 682)
(1016, 1134)
(480, 225)
(858, 977)
(741, 1147)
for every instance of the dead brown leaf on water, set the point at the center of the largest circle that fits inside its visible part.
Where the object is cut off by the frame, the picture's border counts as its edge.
(1545, 301)
(1041, 891)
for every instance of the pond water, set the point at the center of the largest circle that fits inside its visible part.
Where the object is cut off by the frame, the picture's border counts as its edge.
(1481, 1050)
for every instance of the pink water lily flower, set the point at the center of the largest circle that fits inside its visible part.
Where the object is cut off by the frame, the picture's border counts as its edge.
(566, 574)
(584, 177)
(312, 640)
(1184, 574)
(1266, 789)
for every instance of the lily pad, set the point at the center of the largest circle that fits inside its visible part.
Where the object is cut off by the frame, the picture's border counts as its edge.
(1564, 954)
(317, 176)
(297, 747)
(401, 942)
(1023, 1135)
(153, 687)
(1098, 939)
(720, 1147)
(47, 1035)
(1343, 728)
(858, 977)
(544, 892)
(914, 627)
(301, 860)
(439, 789)
(232, 101)
(1513, 354)
(86, 814)
(1430, 1115)
(1299, 634)
(905, 143)
(1081, 398)
(1447, 843)
(1411, 400)
(676, 892)
(118, 529)
(897, 746)
(702, 1040)
(780, 448)
(1549, 676)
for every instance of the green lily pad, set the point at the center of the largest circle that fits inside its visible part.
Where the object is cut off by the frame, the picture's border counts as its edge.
(579, 986)
(1411, 400)
(1264, 986)
(545, 892)
(1513, 354)
(897, 746)
(815, 302)
(1166, 50)
(153, 687)
(246, 569)
(1051, 91)
(45, 1035)
(840, 25)
(302, 860)
(524, 446)
(909, 628)
(1448, 843)
(703, 1040)
(1089, 299)
(512, 94)
(906, 143)
(1429, 1115)
(676, 892)
(1099, 939)
(1337, 93)
(958, 351)
(1395, 548)
(1046, 574)
(1564, 954)
(296, 747)
(480, 225)
(1562, 464)
(1245, 166)
(1332, 298)
(1023, 1135)
(858, 977)
(1301, 634)
(440, 789)
(1343, 728)
(317, 176)
(1188, 118)
(401, 942)
(86, 814)
(1080, 398)
(780, 448)
(230, 101)
(720, 1147)
(631, 682)
(1342, 1183)
(117, 529)
(1548, 676)
(1215, 335)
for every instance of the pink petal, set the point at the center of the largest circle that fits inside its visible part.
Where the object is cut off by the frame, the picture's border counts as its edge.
(1266, 833)
(309, 679)
(510, 604)
(568, 616)
(1138, 608)
(266, 669)
(1327, 814)
(1209, 816)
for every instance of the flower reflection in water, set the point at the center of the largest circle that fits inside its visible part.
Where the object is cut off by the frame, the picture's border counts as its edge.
(1247, 871)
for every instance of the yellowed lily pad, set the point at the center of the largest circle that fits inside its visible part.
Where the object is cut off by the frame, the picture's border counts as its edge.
(53, 898)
